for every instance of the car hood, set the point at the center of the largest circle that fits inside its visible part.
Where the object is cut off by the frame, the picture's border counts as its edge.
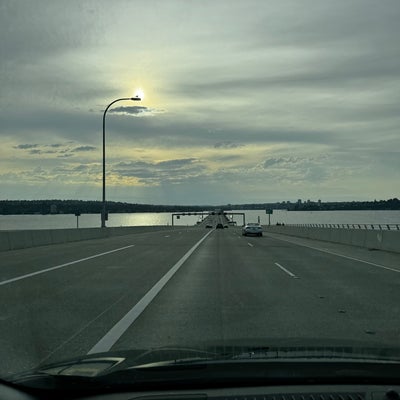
(160, 364)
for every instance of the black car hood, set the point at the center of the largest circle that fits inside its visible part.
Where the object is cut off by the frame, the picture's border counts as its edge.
(173, 365)
(277, 349)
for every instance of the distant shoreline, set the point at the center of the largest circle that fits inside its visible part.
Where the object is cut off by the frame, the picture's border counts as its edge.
(45, 207)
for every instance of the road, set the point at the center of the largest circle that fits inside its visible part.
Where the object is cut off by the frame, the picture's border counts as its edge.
(190, 286)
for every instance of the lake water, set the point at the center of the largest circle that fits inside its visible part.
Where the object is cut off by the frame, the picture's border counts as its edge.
(60, 221)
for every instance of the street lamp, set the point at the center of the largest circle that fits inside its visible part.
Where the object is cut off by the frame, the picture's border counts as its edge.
(103, 211)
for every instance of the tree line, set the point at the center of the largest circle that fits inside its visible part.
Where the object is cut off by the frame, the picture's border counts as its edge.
(14, 207)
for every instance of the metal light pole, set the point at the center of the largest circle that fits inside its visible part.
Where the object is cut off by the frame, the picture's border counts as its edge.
(104, 211)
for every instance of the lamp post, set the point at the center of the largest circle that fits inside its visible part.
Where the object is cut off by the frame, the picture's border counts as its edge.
(103, 210)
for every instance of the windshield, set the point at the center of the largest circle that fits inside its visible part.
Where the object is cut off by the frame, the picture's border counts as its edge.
(198, 180)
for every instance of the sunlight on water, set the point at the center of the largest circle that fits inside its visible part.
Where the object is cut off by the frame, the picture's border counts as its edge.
(64, 221)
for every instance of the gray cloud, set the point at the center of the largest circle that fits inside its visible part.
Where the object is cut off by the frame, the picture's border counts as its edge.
(58, 149)
(84, 148)
(26, 146)
(133, 110)
(227, 145)
(310, 169)
(180, 163)
(67, 155)
(281, 161)
(136, 111)
(46, 28)
(173, 171)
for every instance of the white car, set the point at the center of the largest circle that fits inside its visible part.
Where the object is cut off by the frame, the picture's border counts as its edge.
(252, 229)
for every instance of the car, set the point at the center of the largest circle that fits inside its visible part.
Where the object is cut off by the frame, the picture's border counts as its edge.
(208, 226)
(252, 229)
(219, 226)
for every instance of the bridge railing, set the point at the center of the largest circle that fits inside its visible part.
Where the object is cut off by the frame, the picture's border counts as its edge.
(386, 227)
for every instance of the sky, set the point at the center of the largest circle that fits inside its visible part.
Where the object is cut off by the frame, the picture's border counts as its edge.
(243, 101)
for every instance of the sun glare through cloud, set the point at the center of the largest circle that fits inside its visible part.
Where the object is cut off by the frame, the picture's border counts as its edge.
(139, 93)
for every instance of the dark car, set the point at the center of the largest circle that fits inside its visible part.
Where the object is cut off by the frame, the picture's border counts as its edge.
(219, 226)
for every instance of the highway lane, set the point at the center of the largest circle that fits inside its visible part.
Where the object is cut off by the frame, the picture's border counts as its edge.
(230, 287)
(64, 311)
(362, 293)
(242, 293)
(19, 262)
(388, 259)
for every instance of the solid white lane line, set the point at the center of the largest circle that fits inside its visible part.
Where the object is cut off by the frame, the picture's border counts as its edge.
(42, 271)
(251, 245)
(340, 255)
(286, 270)
(112, 336)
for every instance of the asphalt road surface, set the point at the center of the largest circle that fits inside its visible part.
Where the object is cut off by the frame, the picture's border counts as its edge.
(188, 287)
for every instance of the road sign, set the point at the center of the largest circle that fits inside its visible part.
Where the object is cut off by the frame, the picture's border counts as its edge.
(269, 211)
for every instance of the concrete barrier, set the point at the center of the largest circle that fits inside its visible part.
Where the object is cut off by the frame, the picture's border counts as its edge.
(22, 239)
(58, 236)
(41, 238)
(4, 241)
(371, 239)
(358, 237)
(391, 240)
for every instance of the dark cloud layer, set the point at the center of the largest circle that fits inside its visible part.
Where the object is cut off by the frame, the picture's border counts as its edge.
(84, 148)
(134, 110)
(227, 145)
(58, 149)
(25, 146)
(173, 171)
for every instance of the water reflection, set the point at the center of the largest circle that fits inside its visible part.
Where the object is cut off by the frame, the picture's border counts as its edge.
(64, 221)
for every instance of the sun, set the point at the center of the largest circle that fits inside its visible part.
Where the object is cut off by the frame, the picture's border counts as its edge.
(139, 93)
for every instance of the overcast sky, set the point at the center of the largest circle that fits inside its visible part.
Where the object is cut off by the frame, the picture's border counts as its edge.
(244, 101)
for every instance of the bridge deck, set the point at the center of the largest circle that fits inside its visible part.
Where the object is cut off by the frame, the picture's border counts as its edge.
(63, 300)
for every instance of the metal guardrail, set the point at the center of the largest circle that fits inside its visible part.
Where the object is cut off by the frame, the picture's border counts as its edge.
(386, 227)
